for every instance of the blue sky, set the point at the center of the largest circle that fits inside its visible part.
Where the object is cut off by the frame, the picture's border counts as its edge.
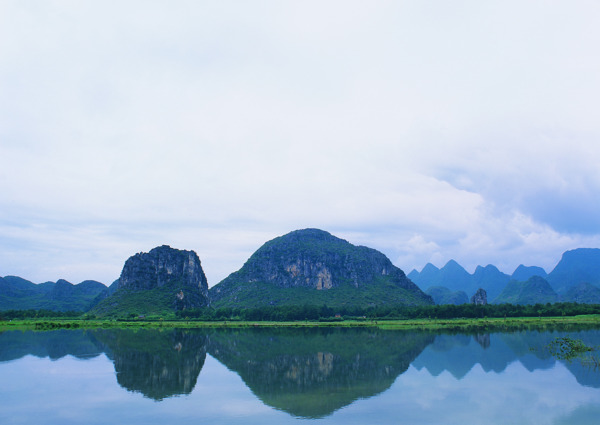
(429, 130)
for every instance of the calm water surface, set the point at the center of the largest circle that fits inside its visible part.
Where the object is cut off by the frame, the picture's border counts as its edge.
(261, 376)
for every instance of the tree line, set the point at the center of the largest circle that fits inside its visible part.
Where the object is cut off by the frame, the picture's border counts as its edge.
(446, 311)
(33, 314)
(326, 313)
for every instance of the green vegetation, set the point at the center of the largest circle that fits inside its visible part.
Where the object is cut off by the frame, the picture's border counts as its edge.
(395, 312)
(381, 291)
(443, 295)
(20, 294)
(535, 290)
(582, 293)
(567, 348)
(37, 314)
(449, 325)
(322, 314)
(150, 303)
(564, 323)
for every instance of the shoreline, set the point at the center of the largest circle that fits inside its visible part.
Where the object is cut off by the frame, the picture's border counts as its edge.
(479, 324)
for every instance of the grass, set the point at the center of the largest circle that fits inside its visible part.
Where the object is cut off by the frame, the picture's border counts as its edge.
(482, 324)
(567, 348)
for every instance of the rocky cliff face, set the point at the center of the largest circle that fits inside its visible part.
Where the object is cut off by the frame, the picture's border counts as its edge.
(479, 298)
(316, 259)
(167, 268)
(307, 261)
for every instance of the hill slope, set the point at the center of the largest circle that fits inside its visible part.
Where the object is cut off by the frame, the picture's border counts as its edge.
(535, 290)
(443, 295)
(17, 293)
(311, 266)
(576, 266)
(583, 293)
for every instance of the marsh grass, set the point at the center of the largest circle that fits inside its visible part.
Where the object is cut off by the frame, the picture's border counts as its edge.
(572, 349)
(461, 324)
(567, 348)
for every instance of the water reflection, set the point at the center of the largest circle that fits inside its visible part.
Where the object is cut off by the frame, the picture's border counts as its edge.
(312, 373)
(458, 354)
(156, 364)
(307, 373)
(52, 344)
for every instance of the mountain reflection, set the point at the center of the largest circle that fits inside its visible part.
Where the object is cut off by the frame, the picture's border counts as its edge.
(458, 354)
(52, 344)
(313, 372)
(156, 364)
(307, 373)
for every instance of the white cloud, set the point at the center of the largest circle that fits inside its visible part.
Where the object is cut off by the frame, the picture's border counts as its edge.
(427, 130)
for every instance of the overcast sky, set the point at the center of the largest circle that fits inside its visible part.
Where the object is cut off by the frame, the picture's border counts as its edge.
(429, 130)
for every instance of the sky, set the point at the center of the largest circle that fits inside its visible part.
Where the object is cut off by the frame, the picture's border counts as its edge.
(429, 130)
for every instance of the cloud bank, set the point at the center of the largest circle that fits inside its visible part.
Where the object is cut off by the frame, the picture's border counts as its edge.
(427, 130)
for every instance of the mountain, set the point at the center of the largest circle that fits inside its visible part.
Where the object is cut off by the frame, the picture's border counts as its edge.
(584, 293)
(17, 293)
(522, 273)
(490, 279)
(158, 282)
(75, 297)
(429, 276)
(535, 290)
(452, 276)
(107, 292)
(312, 266)
(443, 295)
(455, 278)
(575, 267)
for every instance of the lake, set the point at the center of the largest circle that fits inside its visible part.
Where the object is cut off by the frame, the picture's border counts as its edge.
(288, 375)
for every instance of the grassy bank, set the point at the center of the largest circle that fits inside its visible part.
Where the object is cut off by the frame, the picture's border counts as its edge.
(481, 324)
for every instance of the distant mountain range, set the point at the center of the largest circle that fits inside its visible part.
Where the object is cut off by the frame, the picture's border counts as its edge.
(303, 267)
(574, 279)
(19, 294)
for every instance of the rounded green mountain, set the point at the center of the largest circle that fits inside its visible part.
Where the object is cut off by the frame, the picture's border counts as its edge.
(313, 267)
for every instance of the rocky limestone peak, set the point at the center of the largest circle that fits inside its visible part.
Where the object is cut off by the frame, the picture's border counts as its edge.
(480, 297)
(295, 267)
(316, 259)
(168, 268)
